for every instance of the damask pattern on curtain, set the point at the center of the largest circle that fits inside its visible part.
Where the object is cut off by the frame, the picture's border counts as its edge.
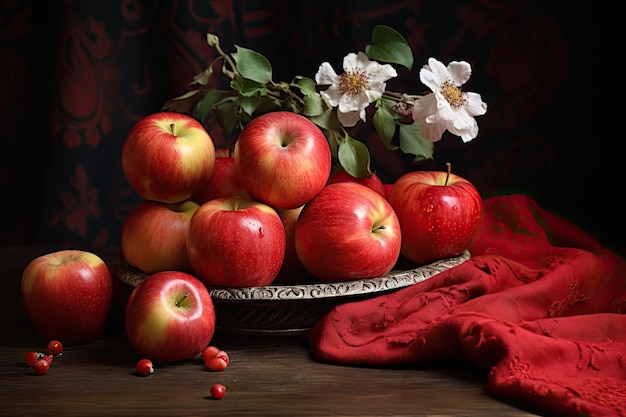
(77, 74)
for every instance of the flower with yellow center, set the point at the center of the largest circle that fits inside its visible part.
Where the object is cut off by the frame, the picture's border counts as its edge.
(448, 107)
(362, 82)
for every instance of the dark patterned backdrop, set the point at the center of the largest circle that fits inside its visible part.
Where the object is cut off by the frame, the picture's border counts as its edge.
(76, 75)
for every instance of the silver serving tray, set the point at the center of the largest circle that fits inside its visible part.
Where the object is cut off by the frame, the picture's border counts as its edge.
(293, 309)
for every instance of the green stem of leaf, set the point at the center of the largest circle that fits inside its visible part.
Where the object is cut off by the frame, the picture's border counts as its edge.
(231, 64)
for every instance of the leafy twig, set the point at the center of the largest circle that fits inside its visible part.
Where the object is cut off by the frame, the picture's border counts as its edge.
(253, 92)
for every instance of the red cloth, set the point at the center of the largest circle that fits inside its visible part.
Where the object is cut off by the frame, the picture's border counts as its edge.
(540, 304)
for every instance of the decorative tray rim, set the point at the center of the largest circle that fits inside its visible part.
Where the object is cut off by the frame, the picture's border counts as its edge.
(317, 291)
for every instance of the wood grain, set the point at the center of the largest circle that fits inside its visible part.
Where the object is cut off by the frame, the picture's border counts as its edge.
(267, 376)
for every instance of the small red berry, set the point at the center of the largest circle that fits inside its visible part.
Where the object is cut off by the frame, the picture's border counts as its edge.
(42, 366)
(54, 347)
(216, 364)
(145, 367)
(209, 352)
(223, 356)
(31, 357)
(218, 391)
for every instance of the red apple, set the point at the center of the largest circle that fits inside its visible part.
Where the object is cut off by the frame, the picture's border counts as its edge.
(153, 236)
(168, 157)
(236, 242)
(347, 232)
(169, 317)
(374, 182)
(292, 271)
(68, 295)
(282, 159)
(439, 212)
(388, 188)
(223, 182)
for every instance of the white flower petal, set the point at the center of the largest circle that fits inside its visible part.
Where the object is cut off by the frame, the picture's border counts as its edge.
(433, 111)
(365, 83)
(373, 95)
(363, 115)
(349, 119)
(424, 107)
(459, 72)
(351, 61)
(332, 95)
(475, 105)
(432, 131)
(326, 75)
(352, 102)
(378, 73)
(434, 74)
(444, 111)
(327, 99)
(461, 122)
(470, 134)
(465, 127)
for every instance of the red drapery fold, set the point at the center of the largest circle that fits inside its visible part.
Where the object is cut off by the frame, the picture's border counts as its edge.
(539, 305)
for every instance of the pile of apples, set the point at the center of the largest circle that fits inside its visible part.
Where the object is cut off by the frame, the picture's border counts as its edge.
(273, 208)
(271, 213)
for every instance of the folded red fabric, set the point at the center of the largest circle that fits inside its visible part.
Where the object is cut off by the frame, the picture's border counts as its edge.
(539, 304)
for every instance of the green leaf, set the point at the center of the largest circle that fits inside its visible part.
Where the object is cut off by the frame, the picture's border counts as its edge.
(228, 115)
(252, 65)
(267, 104)
(313, 105)
(307, 86)
(333, 138)
(389, 46)
(184, 103)
(354, 157)
(412, 142)
(248, 104)
(327, 120)
(203, 77)
(247, 87)
(292, 106)
(205, 105)
(385, 126)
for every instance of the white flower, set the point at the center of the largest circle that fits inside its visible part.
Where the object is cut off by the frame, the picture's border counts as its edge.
(449, 107)
(362, 83)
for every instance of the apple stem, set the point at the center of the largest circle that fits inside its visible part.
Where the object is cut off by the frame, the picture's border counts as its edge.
(172, 128)
(449, 167)
(179, 302)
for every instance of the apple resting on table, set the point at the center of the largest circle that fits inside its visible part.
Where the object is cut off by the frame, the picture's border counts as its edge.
(347, 232)
(439, 212)
(68, 295)
(169, 317)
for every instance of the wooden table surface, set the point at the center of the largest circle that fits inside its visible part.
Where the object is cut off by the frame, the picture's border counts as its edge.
(267, 376)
